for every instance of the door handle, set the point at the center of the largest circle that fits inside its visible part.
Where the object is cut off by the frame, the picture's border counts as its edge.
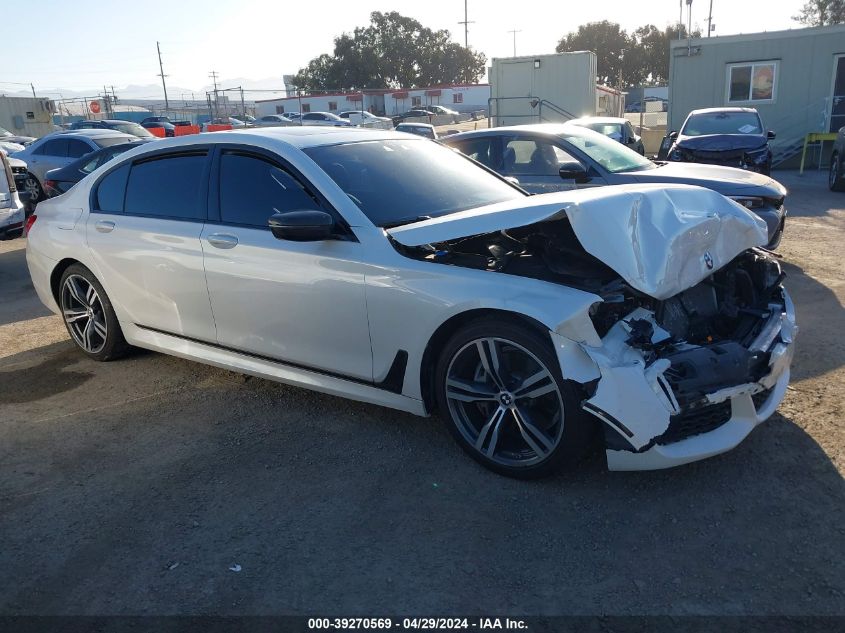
(104, 226)
(222, 240)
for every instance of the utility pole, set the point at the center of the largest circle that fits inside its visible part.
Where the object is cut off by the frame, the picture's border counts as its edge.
(710, 19)
(680, 18)
(243, 107)
(466, 24)
(162, 75)
(33, 90)
(213, 75)
(514, 31)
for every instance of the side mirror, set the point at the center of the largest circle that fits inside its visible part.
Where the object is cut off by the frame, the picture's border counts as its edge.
(770, 135)
(673, 134)
(302, 226)
(574, 171)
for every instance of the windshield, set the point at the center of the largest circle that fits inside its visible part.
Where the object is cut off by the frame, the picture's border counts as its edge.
(722, 123)
(611, 155)
(399, 181)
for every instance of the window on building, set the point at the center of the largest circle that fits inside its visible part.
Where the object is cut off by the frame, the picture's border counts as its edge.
(332, 106)
(306, 107)
(280, 109)
(416, 102)
(457, 97)
(748, 82)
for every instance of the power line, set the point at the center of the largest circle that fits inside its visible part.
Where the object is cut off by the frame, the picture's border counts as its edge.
(162, 75)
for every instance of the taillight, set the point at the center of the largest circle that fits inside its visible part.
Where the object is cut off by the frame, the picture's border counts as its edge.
(29, 222)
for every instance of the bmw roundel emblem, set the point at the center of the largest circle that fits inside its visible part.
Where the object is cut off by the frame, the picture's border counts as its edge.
(708, 260)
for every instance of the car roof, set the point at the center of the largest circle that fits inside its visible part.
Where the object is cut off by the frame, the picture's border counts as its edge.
(550, 129)
(726, 109)
(598, 119)
(90, 133)
(300, 137)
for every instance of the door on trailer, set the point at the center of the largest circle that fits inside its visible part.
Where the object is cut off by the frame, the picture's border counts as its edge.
(837, 107)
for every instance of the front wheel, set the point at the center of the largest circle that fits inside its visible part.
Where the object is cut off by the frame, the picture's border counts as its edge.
(499, 388)
(89, 316)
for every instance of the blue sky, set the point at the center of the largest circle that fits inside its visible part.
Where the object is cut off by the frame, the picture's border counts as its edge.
(84, 44)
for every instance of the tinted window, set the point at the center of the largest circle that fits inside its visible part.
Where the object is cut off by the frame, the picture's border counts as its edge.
(253, 189)
(53, 147)
(77, 148)
(481, 149)
(111, 189)
(171, 186)
(534, 158)
(395, 181)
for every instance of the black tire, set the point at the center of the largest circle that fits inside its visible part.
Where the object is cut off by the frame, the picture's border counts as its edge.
(524, 352)
(103, 348)
(835, 178)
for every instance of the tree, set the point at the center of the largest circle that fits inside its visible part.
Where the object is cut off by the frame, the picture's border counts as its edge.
(821, 12)
(642, 56)
(607, 40)
(393, 51)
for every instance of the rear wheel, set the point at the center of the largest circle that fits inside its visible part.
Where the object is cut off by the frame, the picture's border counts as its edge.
(500, 389)
(836, 179)
(89, 316)
(33, 188)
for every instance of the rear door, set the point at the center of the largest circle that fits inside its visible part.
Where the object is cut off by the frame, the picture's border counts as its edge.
(50, 155)
(144, 235)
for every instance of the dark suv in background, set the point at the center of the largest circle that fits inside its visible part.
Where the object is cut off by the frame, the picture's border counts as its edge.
(732, 137)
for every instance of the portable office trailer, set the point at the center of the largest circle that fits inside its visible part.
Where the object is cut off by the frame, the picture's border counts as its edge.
(27, 116)
(542, 88)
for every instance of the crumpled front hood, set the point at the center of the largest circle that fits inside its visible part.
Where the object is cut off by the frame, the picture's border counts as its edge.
(661, 239)
(722, 142)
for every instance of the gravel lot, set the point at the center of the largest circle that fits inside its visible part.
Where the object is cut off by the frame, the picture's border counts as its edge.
(133, 487)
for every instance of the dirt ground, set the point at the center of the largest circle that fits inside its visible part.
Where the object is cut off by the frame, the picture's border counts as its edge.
(136, 487)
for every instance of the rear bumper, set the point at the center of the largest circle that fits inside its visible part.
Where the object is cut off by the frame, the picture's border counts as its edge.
(40, 269)
(11, 220)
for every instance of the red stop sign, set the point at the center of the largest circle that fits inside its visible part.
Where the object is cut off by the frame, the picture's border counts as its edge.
(95, 107)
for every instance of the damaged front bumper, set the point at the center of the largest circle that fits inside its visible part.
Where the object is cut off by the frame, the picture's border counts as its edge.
(650, 418)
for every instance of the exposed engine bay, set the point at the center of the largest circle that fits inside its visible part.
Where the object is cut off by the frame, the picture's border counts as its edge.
(707, 338)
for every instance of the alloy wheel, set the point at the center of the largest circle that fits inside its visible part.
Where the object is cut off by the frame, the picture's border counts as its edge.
(82, 310)
(32, 188)
(505, 402)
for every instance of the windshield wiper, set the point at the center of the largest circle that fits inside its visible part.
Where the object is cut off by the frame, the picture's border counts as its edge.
(419, 218)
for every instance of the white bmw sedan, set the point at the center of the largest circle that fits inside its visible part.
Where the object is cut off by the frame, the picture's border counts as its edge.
(389, 269)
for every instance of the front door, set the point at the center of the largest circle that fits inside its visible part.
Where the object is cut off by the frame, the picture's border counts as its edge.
(301, 303)
(837, 107)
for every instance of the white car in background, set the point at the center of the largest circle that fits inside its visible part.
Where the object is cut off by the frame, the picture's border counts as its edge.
(324, 119)
(11, 207)
(273, 120)
(362, 118)
(389, 269)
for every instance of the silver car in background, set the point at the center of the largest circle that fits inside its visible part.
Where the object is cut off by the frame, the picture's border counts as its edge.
(60, 149)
